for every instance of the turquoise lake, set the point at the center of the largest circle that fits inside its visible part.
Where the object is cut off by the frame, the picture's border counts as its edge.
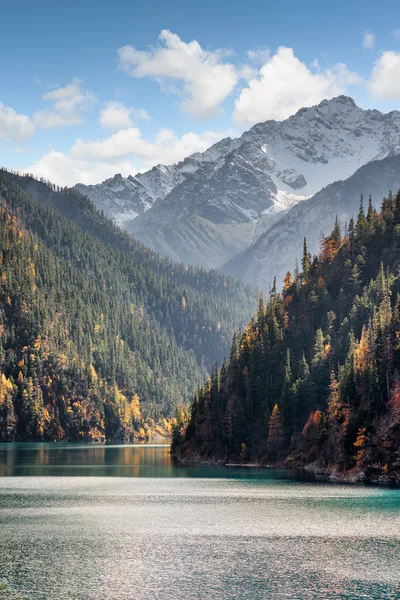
(120, 522)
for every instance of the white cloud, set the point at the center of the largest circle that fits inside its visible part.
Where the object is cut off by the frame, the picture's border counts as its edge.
(14, 126)
(123, 143)
(123, 152)
(67, 105)
(71, 97)
(385, 78)
(47, 119)
(259, 56)
(396, 33)
(203, 78)
(166, 148)
(65, 170)
(369, 39)
(284, 84)
(115, 115)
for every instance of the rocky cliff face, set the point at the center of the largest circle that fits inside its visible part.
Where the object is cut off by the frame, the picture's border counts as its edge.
(124, 198)
(214, 204)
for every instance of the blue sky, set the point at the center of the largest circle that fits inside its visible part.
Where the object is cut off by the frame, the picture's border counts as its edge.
(90, 89)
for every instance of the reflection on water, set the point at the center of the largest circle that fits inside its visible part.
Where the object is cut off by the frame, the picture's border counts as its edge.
(85, 459)
(118, 460)
(161, 532)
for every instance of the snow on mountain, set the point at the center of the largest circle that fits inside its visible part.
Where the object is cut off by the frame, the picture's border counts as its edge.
(324, 143)
(159, 181)
(124, 198)
(275, 252)
(240, 187)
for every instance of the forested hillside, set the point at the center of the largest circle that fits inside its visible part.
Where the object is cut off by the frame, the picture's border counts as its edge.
(314, 377)
(98, 334)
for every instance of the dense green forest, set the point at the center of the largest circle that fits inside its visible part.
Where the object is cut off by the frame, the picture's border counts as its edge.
(315, 376)
(99, 336)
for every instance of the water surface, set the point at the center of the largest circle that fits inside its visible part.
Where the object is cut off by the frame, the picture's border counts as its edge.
(154, 531)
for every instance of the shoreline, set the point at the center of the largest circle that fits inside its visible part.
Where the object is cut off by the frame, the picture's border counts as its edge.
(327, 474)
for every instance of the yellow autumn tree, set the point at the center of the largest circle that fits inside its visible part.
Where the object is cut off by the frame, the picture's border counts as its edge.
(135, 408)
(287, 282)
(93, 377)
(360, 445)
(275, 430)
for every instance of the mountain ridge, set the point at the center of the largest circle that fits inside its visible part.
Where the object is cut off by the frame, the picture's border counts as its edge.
(233, 191)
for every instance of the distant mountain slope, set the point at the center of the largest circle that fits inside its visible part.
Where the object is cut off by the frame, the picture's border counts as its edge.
(275, 252)
(90, 319)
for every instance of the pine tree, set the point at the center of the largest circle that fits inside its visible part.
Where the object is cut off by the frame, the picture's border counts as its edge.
(352, 238)
(260, 311)
(303, 370)
(305, 261)
(318, 348)
(288, 371)
(360, 225)
(371, 212)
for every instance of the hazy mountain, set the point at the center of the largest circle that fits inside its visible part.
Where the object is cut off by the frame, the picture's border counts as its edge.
(276, 251)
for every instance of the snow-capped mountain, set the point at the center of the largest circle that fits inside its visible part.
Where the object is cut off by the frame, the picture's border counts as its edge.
(214, 204)
(276, 251)
(124, 198)
(324, 143)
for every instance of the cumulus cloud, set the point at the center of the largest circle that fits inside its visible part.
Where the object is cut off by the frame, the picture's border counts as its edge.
(14, 126)
(166, 147)
(67, 105)
(115, 115)
(123, 152)
(202, 77)
(65, 170)
(284, 84)
(123, 143)
(369, 39)
(385, 79)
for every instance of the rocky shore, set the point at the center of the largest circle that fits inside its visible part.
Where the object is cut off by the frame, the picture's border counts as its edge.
(371, 475)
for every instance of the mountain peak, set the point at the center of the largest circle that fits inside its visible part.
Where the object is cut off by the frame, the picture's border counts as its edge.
(343, 100)
(333, 105)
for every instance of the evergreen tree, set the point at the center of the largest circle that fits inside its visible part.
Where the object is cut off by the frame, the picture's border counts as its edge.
(339, 321)
(99, 336)
(360, 225)
(305, 261)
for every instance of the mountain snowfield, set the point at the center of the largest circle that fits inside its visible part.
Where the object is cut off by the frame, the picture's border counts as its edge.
(207, 208)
